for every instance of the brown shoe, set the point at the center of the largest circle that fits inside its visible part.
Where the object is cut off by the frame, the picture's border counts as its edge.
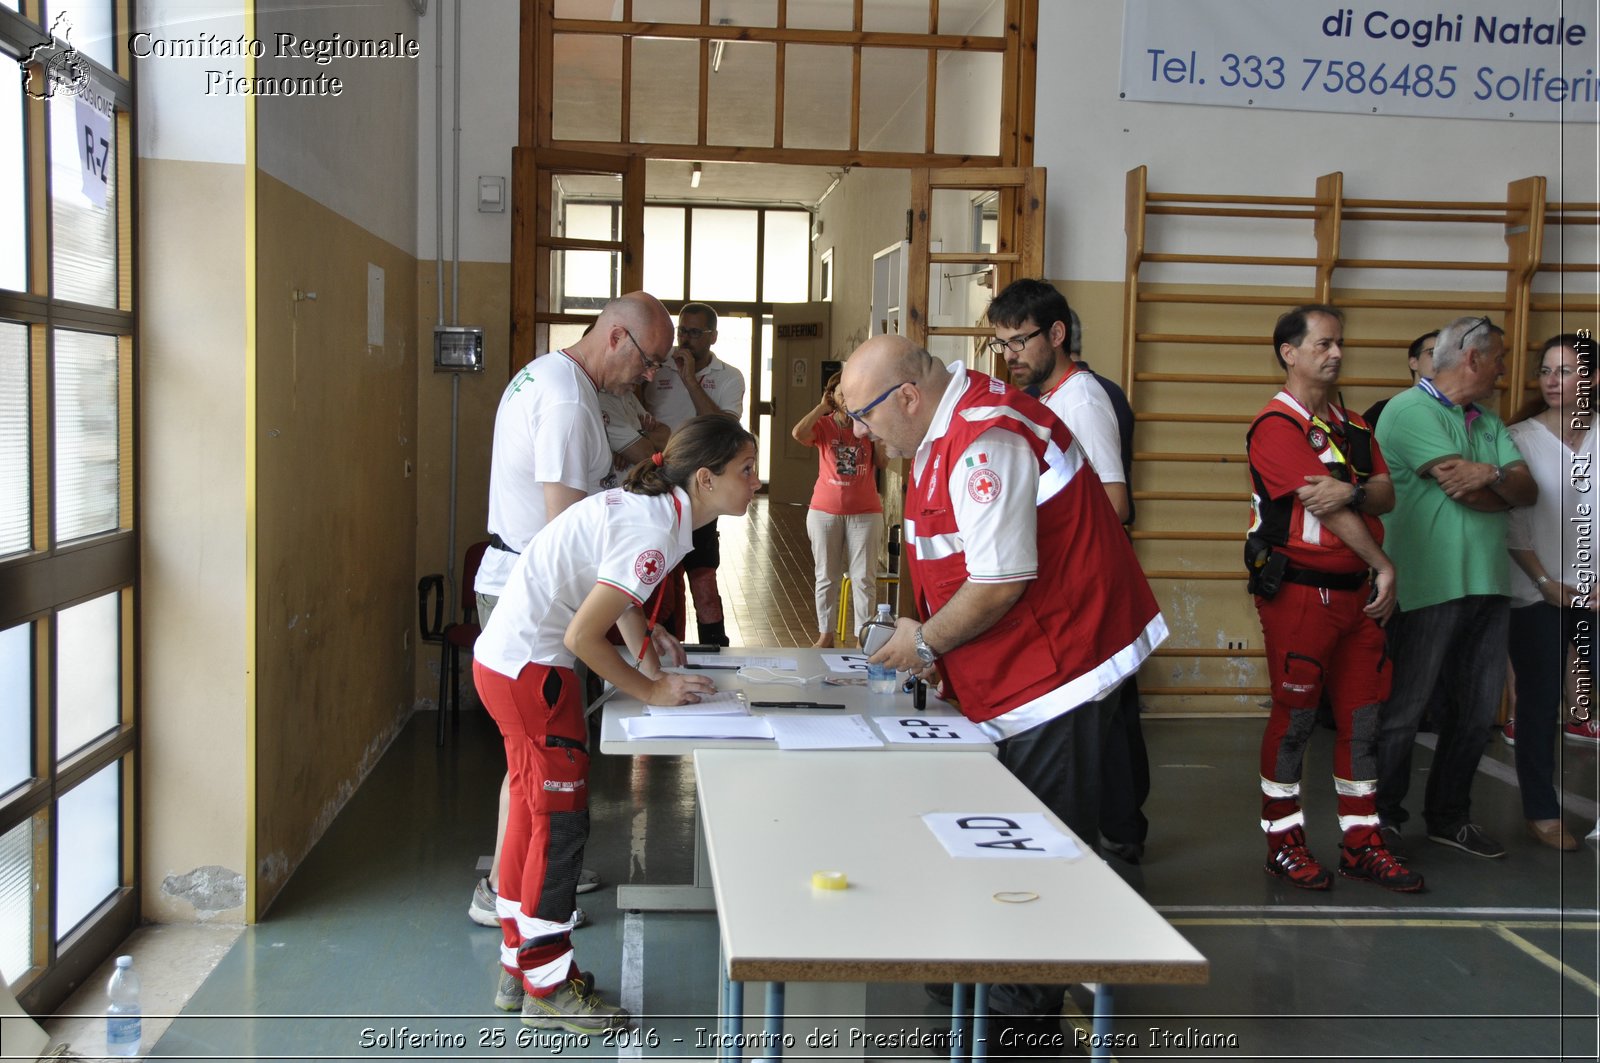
(1554, 833)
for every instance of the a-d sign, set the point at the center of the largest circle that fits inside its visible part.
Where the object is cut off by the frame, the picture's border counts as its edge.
(801, 331)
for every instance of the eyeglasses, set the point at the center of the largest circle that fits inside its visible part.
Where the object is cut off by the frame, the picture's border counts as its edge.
(649, 366)
(693, 333)
(861, 414)
(1014, 344)
(1476, 325)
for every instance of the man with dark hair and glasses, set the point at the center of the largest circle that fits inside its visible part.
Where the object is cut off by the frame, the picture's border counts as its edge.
(698, 382)
(1031, 607)
(549, 451)
(1456, 473)
(1032, 329)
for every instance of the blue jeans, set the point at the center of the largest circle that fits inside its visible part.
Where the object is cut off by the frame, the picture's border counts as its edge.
(1540, 636)
(1461, 644)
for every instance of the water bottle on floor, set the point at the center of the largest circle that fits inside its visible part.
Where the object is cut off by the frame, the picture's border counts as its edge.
(874, 634)
(123, 1015)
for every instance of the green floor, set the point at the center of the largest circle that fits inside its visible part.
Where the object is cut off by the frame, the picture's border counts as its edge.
(1498, 961)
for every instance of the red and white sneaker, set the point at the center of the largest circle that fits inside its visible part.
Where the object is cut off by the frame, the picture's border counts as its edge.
(1293, 861)
(1584, 731)
(1509, 732)
(1375, 863)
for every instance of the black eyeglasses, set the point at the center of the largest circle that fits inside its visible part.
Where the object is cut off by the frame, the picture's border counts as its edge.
(693, 333)
(649, 366)
(1474, 327)
(1014, 344)
(861, 414)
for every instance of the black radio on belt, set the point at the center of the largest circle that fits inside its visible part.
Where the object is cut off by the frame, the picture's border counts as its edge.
(1265, 566)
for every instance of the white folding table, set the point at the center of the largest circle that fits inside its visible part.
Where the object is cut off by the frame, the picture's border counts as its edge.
(911, 912)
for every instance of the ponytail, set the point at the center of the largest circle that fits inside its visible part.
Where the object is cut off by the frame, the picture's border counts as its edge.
(709, 441)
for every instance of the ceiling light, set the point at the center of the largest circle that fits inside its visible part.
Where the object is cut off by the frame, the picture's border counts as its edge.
(694, 176)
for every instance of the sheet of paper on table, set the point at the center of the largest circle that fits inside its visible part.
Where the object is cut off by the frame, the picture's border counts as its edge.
(912, 729)
(1001, 835)
(722, 703)
(845, 662)
(642, 728)
(731, 663)
(823, 732)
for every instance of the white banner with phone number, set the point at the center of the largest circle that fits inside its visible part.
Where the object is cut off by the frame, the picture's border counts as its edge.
(1523, 60)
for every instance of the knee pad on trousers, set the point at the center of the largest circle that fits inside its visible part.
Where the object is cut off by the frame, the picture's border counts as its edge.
(569, 832)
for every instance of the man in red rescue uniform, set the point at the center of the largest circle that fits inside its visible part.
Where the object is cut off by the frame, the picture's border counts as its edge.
(1322, 586)
(1033, 652)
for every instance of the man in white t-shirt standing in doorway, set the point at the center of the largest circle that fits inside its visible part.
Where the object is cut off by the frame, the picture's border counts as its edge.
(550, 450)
(699, 383)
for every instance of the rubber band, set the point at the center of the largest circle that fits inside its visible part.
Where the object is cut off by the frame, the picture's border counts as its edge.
(1016, 896)
(658, 459)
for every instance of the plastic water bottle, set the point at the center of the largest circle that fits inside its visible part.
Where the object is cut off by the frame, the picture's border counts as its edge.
(123, 1015)
(875, 633)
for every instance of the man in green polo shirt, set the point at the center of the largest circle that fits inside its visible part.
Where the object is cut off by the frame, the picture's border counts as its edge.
(1456, 473)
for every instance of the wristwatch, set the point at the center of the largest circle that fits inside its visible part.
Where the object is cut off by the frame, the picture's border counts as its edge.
(1499, 476)
(1359, 497)
(924, 654)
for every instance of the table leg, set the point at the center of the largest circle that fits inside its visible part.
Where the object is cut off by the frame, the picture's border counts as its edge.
(980, 1022)
(732, 1019)
(775, 1019)
(1103, 1008)
(695, 897)
(959, 1013)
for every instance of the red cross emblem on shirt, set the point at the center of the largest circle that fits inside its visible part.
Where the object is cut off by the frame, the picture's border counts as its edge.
(650, 567)
(984, 485)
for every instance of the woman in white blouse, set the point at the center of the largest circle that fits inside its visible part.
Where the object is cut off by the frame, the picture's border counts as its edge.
(1552, 590)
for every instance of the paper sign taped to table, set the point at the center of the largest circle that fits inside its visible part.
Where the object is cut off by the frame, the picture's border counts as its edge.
(643, 728)
(823, 732)
(845, 662)
(929, 730)
(722, 703)
(730, 663)
(1001, 835)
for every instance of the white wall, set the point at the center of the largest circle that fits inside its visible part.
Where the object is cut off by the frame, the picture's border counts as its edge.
(315, 143)
(489, 71)
(1088, 139)
(177, 119)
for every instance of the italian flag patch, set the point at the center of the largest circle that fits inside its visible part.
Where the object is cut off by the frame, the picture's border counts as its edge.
(981, 459)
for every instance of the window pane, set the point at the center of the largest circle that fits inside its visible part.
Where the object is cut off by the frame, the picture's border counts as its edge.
(739, 95)
(87, 28)
(585, 280)
(16, 452)
(86, 434)
(16, 706)
(590, 221)
(785, 255)
(894, 16)
(16, 901)
(83, 262)
(969, 85)
(666, 10)
(88, 849)
(13, 192)
(722, 262)
(666, 86)
(587, 100)
(894, 99)
(663, 252)
(734, 337)
(821, 73)
(88, 663)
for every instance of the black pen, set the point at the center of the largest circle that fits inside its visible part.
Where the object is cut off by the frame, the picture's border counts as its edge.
(795, 705)
(716, 667)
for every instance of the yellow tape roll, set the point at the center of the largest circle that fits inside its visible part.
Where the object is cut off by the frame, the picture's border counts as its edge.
(829, 880)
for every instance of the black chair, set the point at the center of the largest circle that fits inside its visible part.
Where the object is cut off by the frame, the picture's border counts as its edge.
(455, 636)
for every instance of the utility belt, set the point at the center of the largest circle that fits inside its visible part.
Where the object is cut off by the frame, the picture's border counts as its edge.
(1270, 569)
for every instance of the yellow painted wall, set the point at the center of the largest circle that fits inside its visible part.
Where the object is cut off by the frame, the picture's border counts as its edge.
(336, 511)
(192, 527)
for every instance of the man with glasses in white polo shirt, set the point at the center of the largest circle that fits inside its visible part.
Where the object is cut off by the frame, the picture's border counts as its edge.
(550, 450)
(697, 383)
